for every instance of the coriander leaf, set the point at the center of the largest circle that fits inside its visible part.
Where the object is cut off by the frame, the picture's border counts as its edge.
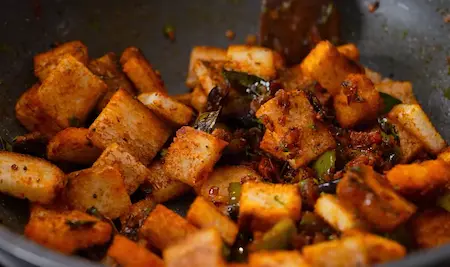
(389, 102)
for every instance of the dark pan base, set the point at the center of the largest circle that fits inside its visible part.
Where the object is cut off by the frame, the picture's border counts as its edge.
(403, 39)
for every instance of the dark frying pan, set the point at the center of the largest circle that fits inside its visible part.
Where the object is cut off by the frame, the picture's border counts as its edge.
(403, 39)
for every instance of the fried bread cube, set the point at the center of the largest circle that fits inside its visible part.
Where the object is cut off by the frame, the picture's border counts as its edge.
(45, 63)
(72, 145)
(350, 51)
(357, 102)
(292, 132)
(220, 180)
(203, 248)
(102, 188)
(164, 228)
(130, 52)
(263, 205)
(129, 254)
(410, 146)
(32, 117)
(199, 99)
(106, 67)
(185, 98)
(431, 228)
(374, 76)
(277, 259)
(132, 221)
(162, 187)
(445, 155)
(205, 215)
(129, 123)
(353, 251)
(66, 231)
(415, 120)
(141, 73)
(328, 67)
(133, 171)
(401, 90)
(336, 213)
(70, 92)
(167, 108)
(254, 60)
(374, 198)
(205, 53)
(419, 178)
(209, 74)
(192, 156)
(24, 176)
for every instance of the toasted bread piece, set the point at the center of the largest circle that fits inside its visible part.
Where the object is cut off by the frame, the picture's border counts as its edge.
(164, 228)
(102, 188)
(72, 145)
(277, 259)
(163, 187)
(203, 248)
(401, 90)
(328, 67)
(254, 60)
(70, 92)
(192, 155)
(129, 254)
(374, 76)
(129, 123)
(220, 180)
(45, 63)
(32, 117)
(350, 51)
(205, 215)
(357, 102)
(292, 132)
(66, 231)
(445, 155)
(419, 178)
(185, 98)
(410, 146)
(209, 75)
(130, 52)
(28, 177)
(414, 120)
(143, 76)
(431, 228)
(374, 198)
(167, 108)
(263, 205)
(199, 99)
(205, 53)
(106, 67)
(134, 172)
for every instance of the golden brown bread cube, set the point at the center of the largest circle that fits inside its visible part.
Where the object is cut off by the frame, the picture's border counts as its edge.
(70, 92)
(164, 228)
(133, 171)
(129, 254)
(192, 156)
(353, 251)
(72, 145)
(106, 67)
(277, 259)
(131, 221)
(203, 248)
(127, 122)
(199, 99)
(419, 178)
(415, 120)
(262, 205)
(209, 75)
(431, 228)
(292, 132)
(102, 188)
(374, 76)
(185, 98)
(254, 60)
(294, 79)
(328, 67)
(162, 187)
(130, 52)
(32, 117)
(206, 53)
(341, 216)
(410, 146)
(220, 179)
(143, 76)
(66, 231)
(350, 51)
(374, 198)
(445, 155)
(167, 108)
(401, 90)
(45, 63)
(357, 102)
(35, 179)
(205, 215)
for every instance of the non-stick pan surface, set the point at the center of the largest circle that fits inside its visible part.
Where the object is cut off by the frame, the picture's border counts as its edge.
(403, 39)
